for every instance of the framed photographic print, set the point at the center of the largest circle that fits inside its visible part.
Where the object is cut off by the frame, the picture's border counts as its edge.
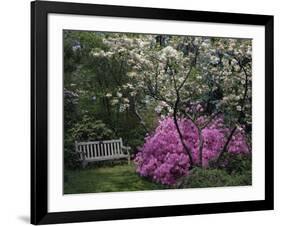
(145, 112)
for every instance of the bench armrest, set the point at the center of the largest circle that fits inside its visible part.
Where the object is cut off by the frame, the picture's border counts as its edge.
(126, 148)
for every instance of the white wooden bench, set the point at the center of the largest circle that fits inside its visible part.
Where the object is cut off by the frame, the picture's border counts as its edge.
(95, 151)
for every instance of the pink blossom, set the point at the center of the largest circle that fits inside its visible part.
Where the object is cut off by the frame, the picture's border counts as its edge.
(163, 158)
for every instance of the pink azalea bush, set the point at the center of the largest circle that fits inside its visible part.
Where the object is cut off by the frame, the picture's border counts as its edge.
(163, 158)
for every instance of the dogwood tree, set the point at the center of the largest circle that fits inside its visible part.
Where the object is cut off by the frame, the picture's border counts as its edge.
(198, 78)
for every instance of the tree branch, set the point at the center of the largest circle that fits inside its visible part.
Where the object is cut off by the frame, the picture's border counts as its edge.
(141, 120)
(189, 71)
(241, 112)
(188, 151)
(226, 144)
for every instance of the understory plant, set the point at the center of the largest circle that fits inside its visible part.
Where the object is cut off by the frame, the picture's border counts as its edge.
(163, 159)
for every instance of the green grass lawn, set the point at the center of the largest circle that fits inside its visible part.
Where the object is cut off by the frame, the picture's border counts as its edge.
(106, 179)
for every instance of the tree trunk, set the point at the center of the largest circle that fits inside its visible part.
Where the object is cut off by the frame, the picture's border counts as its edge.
(187, 150)
(141, 120)
(200, 148)
(226, 144)
(135, 112)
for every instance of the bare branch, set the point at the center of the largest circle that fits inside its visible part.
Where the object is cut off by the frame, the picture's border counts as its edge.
(193, 64)
(241, 112)
(226, 144)
(141, 120)
(186, 77)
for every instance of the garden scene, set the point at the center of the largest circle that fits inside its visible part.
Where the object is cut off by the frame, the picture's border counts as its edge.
(151, 112)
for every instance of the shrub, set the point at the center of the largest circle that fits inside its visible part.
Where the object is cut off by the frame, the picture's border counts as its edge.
(201, 178)
(234, 163)
(91, 129)
(86, 130)
(71, 159)
(163, 158)
(70, 108)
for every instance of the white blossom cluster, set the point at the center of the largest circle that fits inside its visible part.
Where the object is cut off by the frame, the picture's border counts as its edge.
(185, 66)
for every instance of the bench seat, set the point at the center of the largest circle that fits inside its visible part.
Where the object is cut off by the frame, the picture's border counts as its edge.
(95, 151)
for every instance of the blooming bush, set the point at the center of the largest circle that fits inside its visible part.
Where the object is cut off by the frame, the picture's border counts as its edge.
(163, 158)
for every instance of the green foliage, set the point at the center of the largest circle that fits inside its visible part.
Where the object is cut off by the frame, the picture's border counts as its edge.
(234, 163)
(92, 81)
(201, 178)
(70, 108)
(71, 158)
(77, 46)
(90, 129)
(134, 138)
(232, 170)
(106, 179)
(89, 79)
(85, 130)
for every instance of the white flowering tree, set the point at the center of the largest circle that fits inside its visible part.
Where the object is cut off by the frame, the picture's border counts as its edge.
(193, 77)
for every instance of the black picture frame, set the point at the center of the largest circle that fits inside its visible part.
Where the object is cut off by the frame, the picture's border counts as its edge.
(39, 112)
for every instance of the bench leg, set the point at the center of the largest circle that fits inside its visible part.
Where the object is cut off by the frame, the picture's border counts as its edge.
(84, 164)
(129, 160)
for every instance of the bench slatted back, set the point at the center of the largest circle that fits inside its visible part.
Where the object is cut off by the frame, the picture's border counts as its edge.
(99, 149)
